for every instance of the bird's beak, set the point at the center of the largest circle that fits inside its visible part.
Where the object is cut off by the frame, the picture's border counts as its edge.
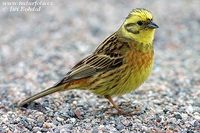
(152, 25)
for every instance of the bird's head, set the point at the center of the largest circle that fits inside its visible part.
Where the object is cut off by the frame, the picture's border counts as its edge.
(139, 26)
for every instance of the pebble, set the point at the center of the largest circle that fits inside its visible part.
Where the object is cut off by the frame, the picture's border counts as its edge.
(178, 116)
(197, 115)
(36, 129)
(184, 116)
(69, 126)
(189, 131)
(101, 127)
(39, 124)
(165, 110)
(119, 126)
(94, 130)
(55, 122)
(125, 122)
(59, 119)
(190, 109)
(73, 120)
(197, 124)
(41, 118)
(47, 125)
(158, 119)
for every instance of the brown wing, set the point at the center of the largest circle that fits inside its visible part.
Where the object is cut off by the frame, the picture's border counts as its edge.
(107, 56)
(94, 64)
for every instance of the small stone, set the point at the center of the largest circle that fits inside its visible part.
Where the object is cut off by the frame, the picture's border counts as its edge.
(9, 131)
(40, 124)
(2, 130)
(74, 102)
(26, 123)
(101, 127)
(78, 114)
(190, 131)
(44, 130)
(50, 113)
(197, 124)
(178, 116)
(59, 119)
(196, 115)
(125, 122)
(184, 116)
(158, 119)
(69, 126)
(36, 129)
(165, 111)
(190, 109)
(120, 126)
(94, 130)
(47, 125)
(55, 122)
(73, 120)
(71, 113)
(172, 120)
(40, 118)
(137, 120)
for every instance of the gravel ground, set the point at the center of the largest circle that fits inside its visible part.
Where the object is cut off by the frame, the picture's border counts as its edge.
(38, 48)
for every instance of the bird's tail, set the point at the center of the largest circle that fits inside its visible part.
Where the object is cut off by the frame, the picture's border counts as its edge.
(42, 94)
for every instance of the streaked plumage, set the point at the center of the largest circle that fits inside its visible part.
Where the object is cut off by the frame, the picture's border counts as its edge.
(119, 65)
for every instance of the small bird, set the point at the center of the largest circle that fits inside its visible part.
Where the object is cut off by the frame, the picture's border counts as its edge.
(119, 65)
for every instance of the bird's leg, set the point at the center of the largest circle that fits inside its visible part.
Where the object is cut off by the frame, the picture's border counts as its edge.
(119, 111)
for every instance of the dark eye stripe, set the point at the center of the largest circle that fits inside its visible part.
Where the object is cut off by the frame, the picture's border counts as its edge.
(140, 23)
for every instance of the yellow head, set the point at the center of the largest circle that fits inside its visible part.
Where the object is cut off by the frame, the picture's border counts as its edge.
(139, 26)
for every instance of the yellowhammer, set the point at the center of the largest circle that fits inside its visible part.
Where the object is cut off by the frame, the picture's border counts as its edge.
(120, 64)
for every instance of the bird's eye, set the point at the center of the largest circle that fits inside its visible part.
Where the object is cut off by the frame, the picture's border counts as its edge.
(140, 23)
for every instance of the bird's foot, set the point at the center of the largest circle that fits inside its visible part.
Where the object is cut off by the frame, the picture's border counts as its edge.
(122, 112)
(135, 110)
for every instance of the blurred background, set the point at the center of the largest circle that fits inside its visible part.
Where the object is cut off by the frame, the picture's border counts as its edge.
(37, 48)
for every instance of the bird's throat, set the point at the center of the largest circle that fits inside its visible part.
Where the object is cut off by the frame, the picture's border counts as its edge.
(143, 47)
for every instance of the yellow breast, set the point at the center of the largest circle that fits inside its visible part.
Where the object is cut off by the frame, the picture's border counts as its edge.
(141, 64)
